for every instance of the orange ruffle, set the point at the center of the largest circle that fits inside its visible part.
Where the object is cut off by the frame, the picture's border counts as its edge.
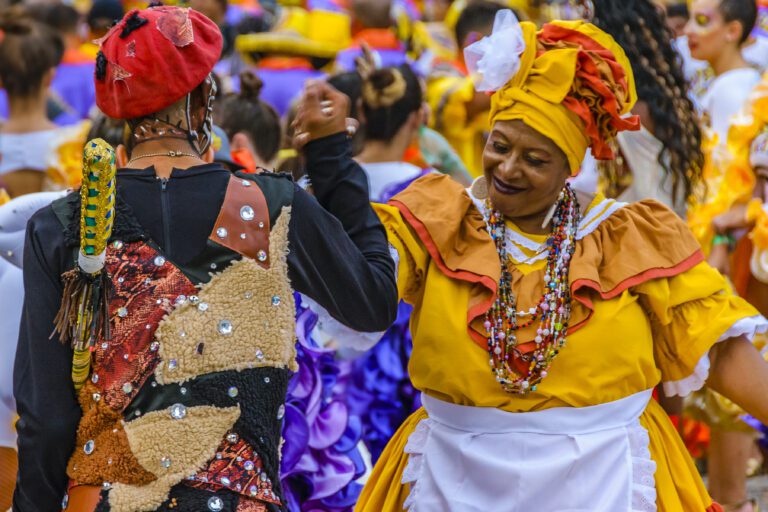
(638, 243)
(599, 91)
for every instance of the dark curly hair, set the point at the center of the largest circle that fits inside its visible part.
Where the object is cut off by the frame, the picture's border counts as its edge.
(639, 27)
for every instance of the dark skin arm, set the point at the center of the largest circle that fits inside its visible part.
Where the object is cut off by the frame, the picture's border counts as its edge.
(739, 373)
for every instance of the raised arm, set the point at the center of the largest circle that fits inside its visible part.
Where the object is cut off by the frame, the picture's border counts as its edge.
(339, 255)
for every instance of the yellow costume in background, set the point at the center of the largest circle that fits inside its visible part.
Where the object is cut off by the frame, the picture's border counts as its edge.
(645, 309)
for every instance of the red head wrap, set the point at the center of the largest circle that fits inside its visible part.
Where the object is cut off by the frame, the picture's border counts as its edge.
(153, 58)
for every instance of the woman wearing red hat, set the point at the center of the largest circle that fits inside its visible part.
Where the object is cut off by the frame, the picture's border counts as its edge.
(181, 403)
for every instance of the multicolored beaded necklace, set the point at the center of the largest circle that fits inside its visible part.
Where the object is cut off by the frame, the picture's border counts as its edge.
(553, 310)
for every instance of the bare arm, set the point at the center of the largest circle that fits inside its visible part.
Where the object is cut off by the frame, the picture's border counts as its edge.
(739, 373)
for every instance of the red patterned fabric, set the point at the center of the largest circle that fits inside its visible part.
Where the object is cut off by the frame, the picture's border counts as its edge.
(147, 292)
(230, 462)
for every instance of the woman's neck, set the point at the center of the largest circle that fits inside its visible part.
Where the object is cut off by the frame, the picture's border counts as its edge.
(27, 115)
(728, 60)
(376, 151)
(161, 160)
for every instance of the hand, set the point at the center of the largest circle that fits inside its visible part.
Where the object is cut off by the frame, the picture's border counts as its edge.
(720, 259)
(322, 111)
(733, 219)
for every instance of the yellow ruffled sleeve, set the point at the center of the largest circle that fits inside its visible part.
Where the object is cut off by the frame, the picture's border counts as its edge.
(689, 313)
(411, 255)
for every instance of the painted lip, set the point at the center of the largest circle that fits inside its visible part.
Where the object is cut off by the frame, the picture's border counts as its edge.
(505, 188)
(692, 46)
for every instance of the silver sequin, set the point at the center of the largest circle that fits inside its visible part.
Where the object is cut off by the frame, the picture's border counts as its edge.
(154, 346)
(178, 411)
(232, 392)
(221, 232)
(172, 364)
(281, 412)
(232, 438)
(215, 504)
(259, 355)
(89, 446)
(248, 295)
(248, 465)
(243, 236)
(95, 378)
(122, 312)
(127, 387)
(181, 299)
(165, 462)
(194, 299)
(246, 183)
(225, 327)
(225, 481)
(159, 261)
(267, 380)
(96, 397)
(261, 225)
(275, 300)
(247, 213)
(203, 306)
(183, 390)
(117, 244)
(261, 255)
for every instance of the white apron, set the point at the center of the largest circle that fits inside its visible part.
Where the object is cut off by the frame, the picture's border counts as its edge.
(478, 459)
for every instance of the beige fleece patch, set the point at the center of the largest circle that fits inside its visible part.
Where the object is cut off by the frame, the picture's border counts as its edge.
(172, 449)
(243, 318)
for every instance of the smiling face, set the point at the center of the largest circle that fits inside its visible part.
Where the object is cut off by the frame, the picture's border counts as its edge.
(708, 32)
(525, 172)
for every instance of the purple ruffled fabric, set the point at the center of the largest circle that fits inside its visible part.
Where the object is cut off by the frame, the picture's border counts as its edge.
(761, 427)
(377, 387)
(320, 456)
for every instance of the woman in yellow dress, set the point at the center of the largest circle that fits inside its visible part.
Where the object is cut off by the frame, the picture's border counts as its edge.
(500, 275)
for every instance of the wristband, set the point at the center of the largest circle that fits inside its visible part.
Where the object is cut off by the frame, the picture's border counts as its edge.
(723, 240)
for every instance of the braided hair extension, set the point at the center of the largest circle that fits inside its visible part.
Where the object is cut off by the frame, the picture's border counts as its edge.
(639, 27)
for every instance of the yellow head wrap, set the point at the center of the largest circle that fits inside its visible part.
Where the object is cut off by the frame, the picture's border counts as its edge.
(574, 84)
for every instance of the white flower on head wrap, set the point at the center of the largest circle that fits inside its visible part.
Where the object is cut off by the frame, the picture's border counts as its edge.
(495, 59)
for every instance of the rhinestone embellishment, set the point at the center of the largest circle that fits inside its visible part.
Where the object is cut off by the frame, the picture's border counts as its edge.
(194, 299)
(203, 306)
(117, 244)
(248, 465)
(259, 355)
(96, 397)
(232, 438)
(248, 295)
(159, 261)
(172, 364)
(225, 481)
(95, 378)
(178, 411)
(154, 346)
(275, 300)
(267, 380)
(246, 183)
(281, 412)
(165, 462)
(232, 392)
(122, 312)
(215, 504)
(221, 232)
(225, 327)
(89, 446)
(127, 387)
(181, 299)
(247, 213)
(261, 255)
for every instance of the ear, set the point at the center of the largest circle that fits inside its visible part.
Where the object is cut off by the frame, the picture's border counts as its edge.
(48, 77)
(121, 156)
(733, 31)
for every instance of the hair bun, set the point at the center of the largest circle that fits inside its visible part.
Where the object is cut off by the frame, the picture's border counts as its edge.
(383, 88)
(250, 86)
